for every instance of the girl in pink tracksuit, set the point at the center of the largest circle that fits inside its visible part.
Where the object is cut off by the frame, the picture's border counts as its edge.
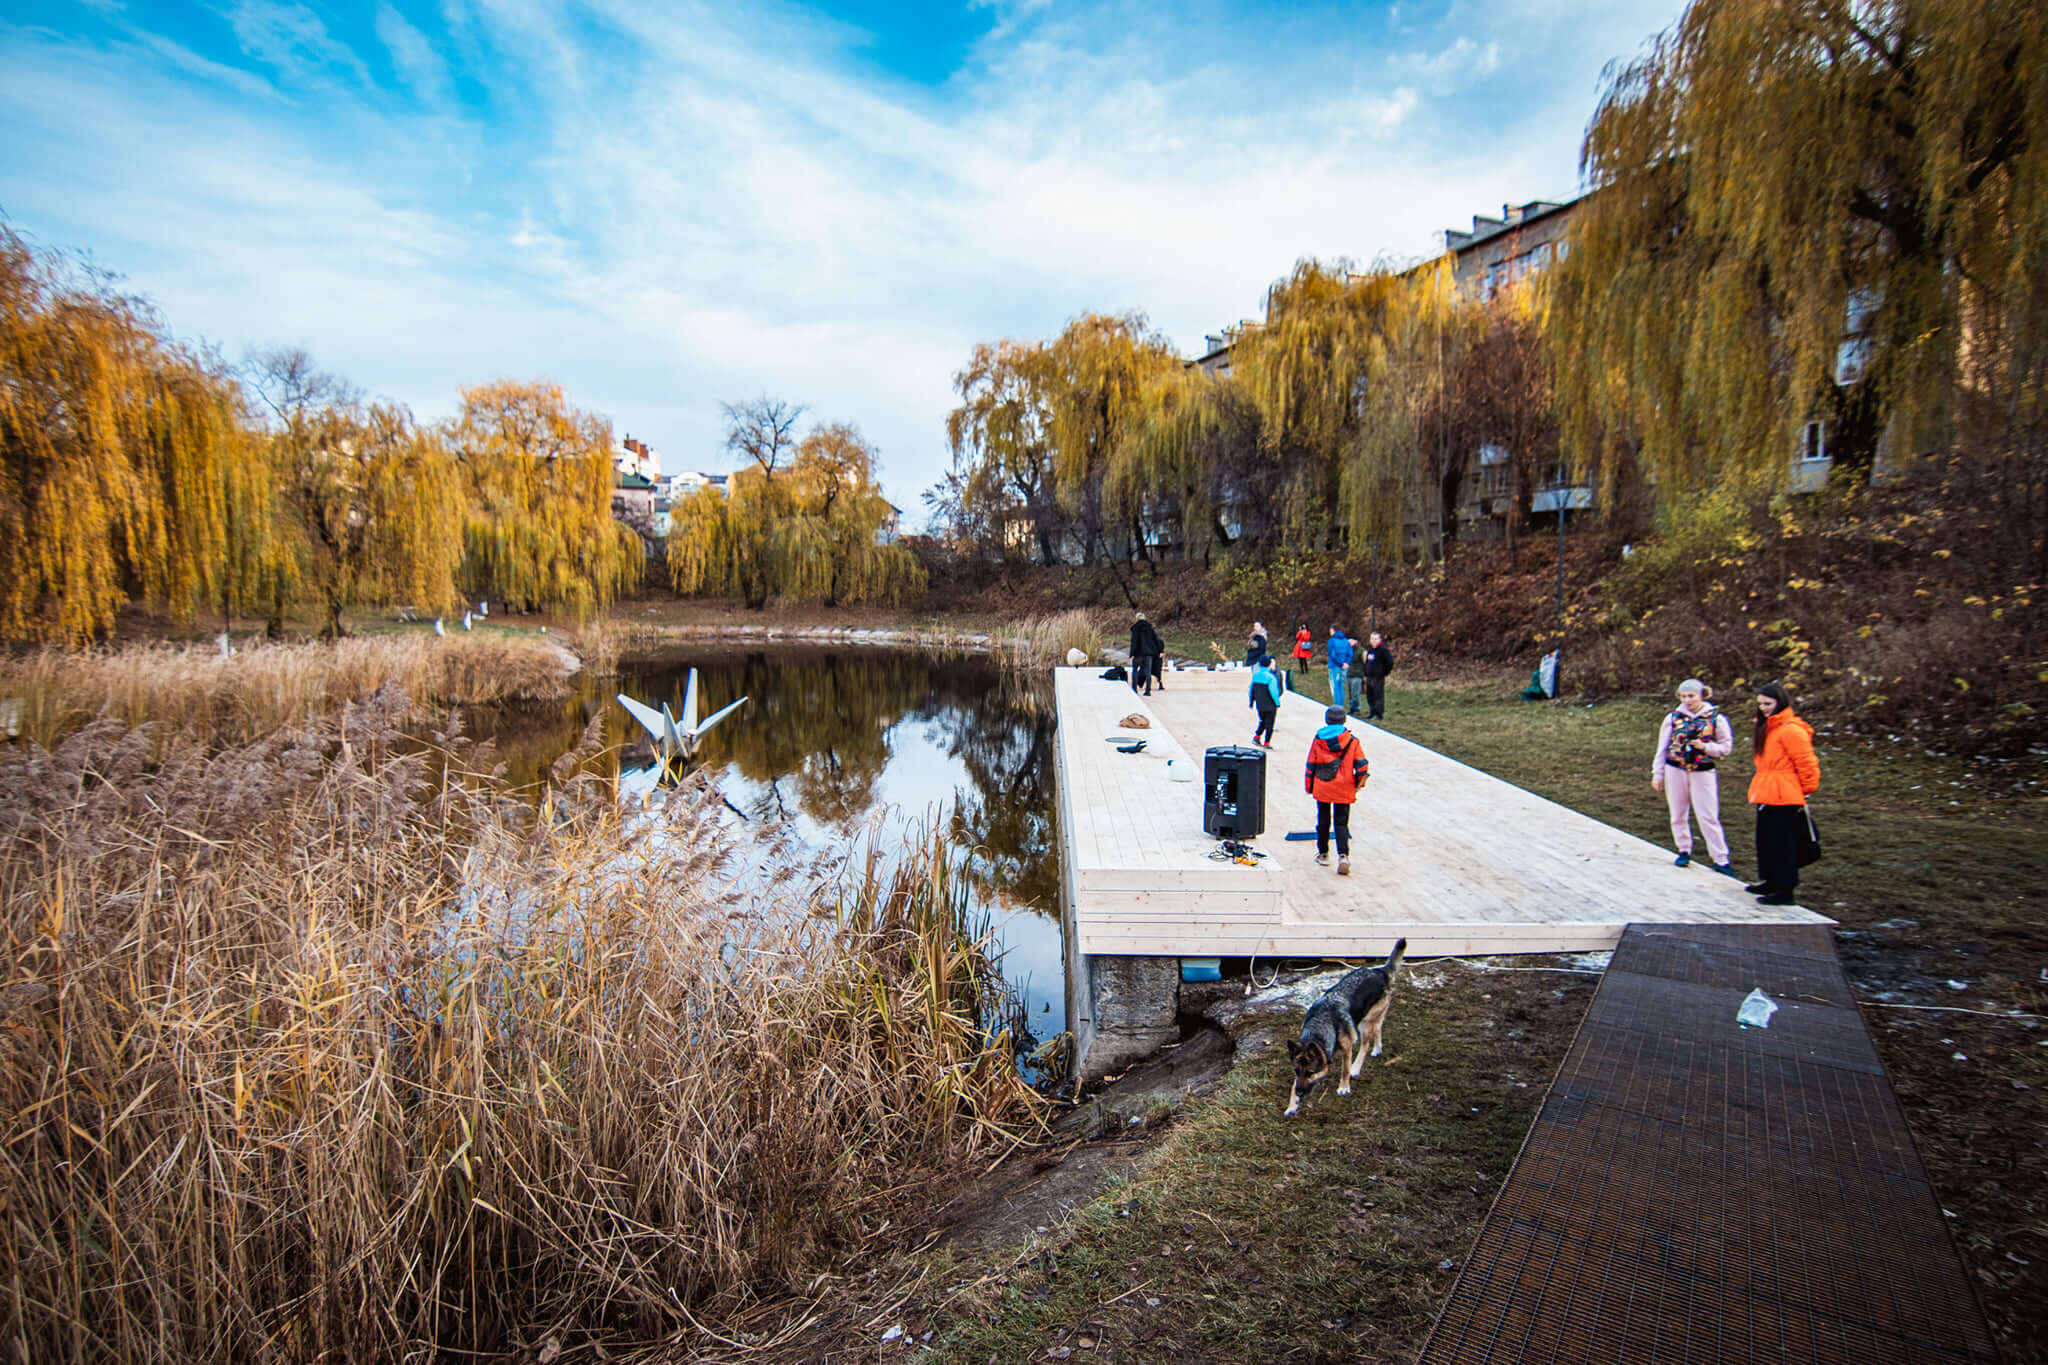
(1694, 736)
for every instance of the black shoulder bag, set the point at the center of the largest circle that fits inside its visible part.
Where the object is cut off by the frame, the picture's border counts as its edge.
(1809, 839)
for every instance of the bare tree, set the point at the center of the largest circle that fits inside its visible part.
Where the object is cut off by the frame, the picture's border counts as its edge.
(762, 429)
(292, 388)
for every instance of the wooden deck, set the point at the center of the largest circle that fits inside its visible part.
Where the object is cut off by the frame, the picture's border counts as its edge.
(1442, 854)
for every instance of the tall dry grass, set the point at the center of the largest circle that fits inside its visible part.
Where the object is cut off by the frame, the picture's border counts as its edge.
(1043, 641)
(192, 689)
(308, 1057)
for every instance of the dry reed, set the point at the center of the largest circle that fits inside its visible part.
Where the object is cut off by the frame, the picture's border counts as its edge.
(192, 689)
(309, 1057)
(1043, 641)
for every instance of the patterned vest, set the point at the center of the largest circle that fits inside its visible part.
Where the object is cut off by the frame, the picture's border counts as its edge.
(1688, 729)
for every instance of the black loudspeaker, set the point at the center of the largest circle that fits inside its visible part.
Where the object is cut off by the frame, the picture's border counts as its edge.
(1234, 792)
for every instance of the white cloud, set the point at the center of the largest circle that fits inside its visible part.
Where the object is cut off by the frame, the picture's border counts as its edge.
(693, 210)
(412, 56)
(290, 39)
(1455, 66)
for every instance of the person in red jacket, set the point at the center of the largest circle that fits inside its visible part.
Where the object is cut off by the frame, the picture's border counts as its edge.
(1304, 647)
(1786, 774)
(1336, 770)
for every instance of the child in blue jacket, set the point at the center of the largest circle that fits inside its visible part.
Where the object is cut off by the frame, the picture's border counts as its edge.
(1266, 690)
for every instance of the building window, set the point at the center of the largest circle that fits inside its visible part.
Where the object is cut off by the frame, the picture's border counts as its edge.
(1813, 442)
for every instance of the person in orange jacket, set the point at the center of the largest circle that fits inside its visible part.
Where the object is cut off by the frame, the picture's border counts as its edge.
(1786, 774)
(1336, 770)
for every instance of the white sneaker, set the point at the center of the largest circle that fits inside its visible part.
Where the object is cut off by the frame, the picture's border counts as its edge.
(1343, 867)
(1322, 860)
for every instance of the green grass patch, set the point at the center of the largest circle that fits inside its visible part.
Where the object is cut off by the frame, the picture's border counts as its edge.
(1959, 845)
(1247, 1236)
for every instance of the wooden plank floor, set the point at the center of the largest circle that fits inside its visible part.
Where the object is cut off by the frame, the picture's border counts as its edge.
(1452, 859)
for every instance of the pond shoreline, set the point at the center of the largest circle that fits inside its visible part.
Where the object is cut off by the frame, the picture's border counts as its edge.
(644, 638)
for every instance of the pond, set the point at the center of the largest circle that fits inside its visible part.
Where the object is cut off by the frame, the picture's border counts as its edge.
(835, 746)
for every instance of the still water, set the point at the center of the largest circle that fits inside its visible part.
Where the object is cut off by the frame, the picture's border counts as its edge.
(837, 746)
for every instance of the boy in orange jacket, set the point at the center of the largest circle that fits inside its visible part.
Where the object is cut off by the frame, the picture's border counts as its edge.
(1336, 770)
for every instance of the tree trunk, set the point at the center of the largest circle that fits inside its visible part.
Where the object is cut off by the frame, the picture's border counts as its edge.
(1110, 560)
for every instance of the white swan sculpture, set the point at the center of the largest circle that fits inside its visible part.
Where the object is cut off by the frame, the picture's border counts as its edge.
(677, 737)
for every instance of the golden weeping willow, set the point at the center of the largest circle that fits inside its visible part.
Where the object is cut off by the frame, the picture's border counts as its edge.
(1045, 439)
(1001, 450)
(1191, 445)
(121, 459)
(816, 533)
(373, 498)
(1788, 191)
(1101, 366)
(538, 528)
(1347, 421)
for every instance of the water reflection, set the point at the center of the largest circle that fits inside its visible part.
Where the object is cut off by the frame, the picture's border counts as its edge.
(833, 743)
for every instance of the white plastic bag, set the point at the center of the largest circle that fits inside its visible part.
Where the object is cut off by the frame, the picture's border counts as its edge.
(1757, 1009)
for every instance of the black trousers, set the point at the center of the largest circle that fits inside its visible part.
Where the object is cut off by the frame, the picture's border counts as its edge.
(1779, 830)
(1141, 675)
(1267, 714)
(1375, 696)
(1339, 813)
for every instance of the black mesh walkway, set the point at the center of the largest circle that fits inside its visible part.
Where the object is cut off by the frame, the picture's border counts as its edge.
(1696, 1191)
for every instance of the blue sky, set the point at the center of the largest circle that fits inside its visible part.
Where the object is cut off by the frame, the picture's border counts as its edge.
(662, 206)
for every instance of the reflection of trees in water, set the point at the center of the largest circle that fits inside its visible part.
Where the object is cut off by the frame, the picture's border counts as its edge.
(529, 739)
(814, 739)
(1006, 813)
(815, 733)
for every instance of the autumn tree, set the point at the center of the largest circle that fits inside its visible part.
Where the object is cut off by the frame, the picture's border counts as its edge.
(538, 527)
(1309, 373)
(1041, 438)
(120, 456)
(1002, 453)
(813, 535)
(1503, 401)
(762, 431)
(1788, 194)
(1192, 446)
(375, 498)
(1100, 366)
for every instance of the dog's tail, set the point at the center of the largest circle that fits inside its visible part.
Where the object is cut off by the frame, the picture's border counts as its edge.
(1394, 958)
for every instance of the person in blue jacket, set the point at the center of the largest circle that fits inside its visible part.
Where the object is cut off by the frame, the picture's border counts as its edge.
(1266, 690)
(1340, 664)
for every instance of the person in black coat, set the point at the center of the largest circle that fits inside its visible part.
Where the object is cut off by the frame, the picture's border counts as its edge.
(1256, 648)
(1147, 651)
(1375, 662)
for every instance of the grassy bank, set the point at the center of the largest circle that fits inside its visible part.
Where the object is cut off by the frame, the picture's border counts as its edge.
(1936, 868)
(1243, 1237)
(308, 1057)
(1246, 1236)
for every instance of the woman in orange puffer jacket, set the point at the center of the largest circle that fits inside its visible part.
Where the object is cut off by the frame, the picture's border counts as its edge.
(1786, 774)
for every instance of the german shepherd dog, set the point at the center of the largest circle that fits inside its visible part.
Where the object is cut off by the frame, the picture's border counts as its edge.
(1350, 1013)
